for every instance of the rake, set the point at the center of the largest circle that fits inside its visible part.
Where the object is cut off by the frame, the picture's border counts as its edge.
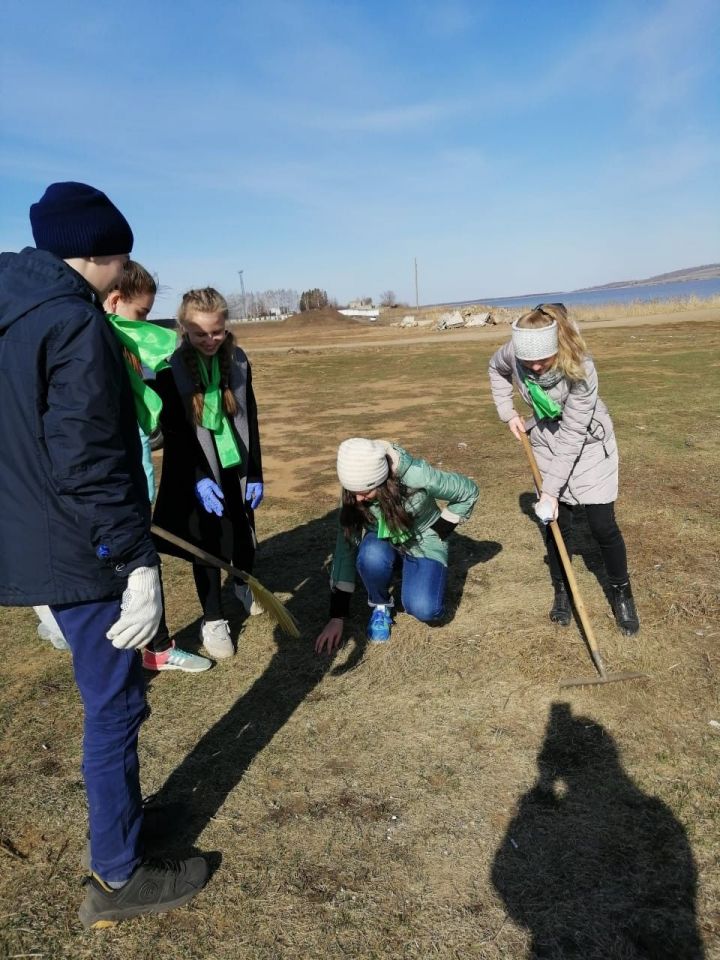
(266, 598)
(602, 675)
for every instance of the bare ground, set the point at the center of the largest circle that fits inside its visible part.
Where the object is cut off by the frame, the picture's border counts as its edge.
(440, 796)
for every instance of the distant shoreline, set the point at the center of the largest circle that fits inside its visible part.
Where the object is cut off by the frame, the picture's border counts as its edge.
(710, 271)
(692, 282)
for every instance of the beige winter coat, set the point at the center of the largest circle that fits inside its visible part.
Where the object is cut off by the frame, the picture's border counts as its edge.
(577, 455)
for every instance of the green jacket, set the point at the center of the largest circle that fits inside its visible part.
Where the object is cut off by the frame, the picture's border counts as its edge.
(425, 485)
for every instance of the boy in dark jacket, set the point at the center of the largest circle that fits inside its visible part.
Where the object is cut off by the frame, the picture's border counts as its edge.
(74, 519)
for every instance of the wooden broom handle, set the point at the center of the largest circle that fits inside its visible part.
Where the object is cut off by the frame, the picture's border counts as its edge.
(198, 552)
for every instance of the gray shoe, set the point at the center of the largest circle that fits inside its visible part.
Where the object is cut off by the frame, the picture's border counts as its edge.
(155, 887)
(246, 598)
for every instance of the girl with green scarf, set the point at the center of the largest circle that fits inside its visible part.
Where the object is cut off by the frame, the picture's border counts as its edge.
(212, 470)
(573, 439)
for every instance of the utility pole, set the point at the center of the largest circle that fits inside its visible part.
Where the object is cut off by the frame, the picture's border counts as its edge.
(242, 291)
(417, 301)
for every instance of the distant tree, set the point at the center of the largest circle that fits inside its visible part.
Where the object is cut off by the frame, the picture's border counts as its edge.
(313, 299)
(266, 303)
(388, 299)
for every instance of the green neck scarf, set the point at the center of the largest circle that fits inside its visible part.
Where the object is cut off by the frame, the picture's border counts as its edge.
(214, 417)
(151, 345)
(396, 537)
(544, 406)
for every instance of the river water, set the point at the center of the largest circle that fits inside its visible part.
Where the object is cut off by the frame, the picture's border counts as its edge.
(655, 291)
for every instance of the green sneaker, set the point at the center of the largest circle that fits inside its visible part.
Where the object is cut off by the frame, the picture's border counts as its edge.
(156, 886)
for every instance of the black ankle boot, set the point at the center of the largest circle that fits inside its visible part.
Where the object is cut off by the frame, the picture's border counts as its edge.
(560, 611)
(624, 608)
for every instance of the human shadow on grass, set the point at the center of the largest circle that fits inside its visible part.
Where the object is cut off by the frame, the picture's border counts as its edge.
(292, 562)
(591, 866)
(465, 555)
(296, 562)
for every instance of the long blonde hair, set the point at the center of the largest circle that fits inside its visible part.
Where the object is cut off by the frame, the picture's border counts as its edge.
(207, 300)
(572, 351)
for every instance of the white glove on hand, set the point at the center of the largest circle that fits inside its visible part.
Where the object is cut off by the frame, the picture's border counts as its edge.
(140, 610)
(546, 511)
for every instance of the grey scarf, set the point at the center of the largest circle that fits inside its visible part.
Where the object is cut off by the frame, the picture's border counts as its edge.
(546, 380)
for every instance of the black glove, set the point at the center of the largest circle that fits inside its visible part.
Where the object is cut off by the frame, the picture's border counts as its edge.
(339, 603)
(443, 528)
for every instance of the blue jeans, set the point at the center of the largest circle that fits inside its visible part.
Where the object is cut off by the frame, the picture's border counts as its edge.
(423, 580)
(112, 688)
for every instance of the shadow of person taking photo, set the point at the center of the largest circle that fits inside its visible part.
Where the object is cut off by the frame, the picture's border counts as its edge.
(591, 866)
(297, 562)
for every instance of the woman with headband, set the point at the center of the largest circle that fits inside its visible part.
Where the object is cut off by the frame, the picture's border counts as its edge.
(573, 440)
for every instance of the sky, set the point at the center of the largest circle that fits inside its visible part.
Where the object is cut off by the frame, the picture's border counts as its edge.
(511, 146)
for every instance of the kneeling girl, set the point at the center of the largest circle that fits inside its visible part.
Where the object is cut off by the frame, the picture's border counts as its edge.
(389, 517)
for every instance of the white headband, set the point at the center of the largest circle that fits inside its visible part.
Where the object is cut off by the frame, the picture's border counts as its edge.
(535, 343)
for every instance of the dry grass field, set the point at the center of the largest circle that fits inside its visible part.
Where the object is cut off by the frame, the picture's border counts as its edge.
(439, 796)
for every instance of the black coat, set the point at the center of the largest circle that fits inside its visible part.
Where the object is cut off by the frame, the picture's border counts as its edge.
(74, 511)
(177, 508)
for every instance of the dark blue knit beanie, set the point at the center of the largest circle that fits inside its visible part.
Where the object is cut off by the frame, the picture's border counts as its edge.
(75, 220)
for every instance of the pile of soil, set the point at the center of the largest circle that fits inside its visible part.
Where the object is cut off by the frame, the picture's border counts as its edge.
(324, 317)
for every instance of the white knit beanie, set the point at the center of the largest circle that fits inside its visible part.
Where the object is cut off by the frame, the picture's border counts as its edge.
(535, 343)
(361, 464)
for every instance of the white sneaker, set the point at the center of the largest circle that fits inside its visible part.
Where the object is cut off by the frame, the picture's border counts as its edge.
(245, 596)
(215, 635)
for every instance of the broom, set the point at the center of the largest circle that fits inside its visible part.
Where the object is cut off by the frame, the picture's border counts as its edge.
(266, 598)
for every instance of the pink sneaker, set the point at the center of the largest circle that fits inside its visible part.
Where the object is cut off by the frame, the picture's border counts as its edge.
(175, 659)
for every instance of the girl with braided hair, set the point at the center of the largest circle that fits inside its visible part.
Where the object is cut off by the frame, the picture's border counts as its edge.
(212, 468)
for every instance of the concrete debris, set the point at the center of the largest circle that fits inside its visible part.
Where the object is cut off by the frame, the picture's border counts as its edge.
(478, 319)
(450, 321)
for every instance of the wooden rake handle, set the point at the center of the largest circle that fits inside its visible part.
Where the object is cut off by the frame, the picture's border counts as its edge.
(567, 566)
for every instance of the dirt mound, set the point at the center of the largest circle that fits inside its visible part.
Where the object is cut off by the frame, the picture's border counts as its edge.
(324, 317)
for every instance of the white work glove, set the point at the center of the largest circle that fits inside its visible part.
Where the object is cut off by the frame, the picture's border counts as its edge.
(140, 610)
(546, 509)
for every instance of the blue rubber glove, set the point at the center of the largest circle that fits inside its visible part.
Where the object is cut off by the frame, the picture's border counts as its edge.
(210, 496)
(254, 494)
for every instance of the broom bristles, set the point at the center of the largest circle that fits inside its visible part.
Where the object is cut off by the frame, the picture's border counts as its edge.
(275, 609)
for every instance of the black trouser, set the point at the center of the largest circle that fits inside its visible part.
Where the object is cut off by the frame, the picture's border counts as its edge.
(208, 580)
(605, 531)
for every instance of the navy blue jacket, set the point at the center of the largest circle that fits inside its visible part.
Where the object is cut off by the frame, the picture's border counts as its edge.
(74, 510)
